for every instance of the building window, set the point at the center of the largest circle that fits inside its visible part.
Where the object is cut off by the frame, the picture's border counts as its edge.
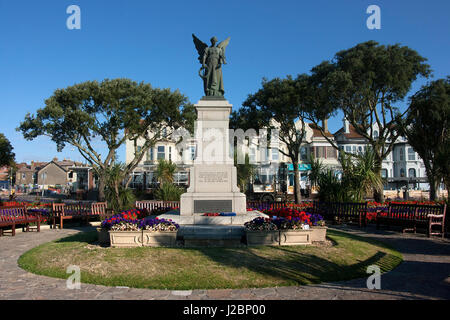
(138, 150)
(384, 173)
(150, 155)
(161, 153)
(275, 154)
(411, 154)
(402, 172)
(164, 132)
(331, 153)
(303, 153)
(348, 149)
(192, 152)
(170, 153)
(320, 152)
(23, 175)
(375, 134)
(402, 154)
(412, 173)
(252, 155)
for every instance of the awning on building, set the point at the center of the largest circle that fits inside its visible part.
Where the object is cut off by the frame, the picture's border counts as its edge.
(301, 167)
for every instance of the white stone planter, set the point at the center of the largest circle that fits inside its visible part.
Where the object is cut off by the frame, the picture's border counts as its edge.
(159, 238)
(319, 234)
(295, 237)
(119, 239)
(263, 238)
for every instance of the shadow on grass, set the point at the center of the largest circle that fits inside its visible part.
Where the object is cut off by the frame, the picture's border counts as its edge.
(284, 265)
(296, 267)
(83, 237)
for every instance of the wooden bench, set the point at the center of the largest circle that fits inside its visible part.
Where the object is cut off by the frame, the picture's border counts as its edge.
(156, 204)
(79, 211)
(16, 216)
(339, 212)
(410, 216)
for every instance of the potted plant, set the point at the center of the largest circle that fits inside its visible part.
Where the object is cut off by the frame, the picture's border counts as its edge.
(319, 230)
(158, 232)
(123, 230)
(261, 231)
(294, 231)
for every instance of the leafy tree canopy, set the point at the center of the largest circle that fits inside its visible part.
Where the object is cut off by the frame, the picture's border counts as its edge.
(113, 111)
(427, 129)
(6, 151)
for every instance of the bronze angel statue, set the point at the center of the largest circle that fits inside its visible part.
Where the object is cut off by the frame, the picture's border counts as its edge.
(211, 59)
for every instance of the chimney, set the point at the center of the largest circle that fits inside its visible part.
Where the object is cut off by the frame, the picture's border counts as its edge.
(55, 159)
(325, 125)
(346, 126)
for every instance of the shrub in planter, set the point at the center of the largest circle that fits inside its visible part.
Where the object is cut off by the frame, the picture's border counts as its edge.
(149, 224)
(158, 232)
(262, 231)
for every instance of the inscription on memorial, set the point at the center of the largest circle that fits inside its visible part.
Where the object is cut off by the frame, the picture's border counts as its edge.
(213, 206)
(218, 176)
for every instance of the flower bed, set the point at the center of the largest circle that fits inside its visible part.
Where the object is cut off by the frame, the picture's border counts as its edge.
(296, 229)
(219, 214)
(127, 230)
(374, 208)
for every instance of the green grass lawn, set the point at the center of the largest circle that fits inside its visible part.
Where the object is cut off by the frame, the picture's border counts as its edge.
(211, 268)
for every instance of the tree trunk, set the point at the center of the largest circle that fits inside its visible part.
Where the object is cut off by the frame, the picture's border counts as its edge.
(117, 195)
(101, 189)
(297, 192)
(433, 188)
(432, 181)
(378, 193)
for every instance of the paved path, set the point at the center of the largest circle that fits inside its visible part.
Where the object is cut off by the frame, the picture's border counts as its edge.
(425, 274)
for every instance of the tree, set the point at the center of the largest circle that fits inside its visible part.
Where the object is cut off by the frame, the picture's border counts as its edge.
(165, 171)
(278, 105)
(112, 111)
(358, 178)
(119, 198)
(366, 82)
(427, 129)
(244, 172)
(6, 152)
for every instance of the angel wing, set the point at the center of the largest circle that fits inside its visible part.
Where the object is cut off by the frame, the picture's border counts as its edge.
(223, 45)
(200, 46)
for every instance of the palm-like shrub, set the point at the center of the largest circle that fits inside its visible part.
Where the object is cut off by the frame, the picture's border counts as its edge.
(168, 192)
(358, 179)
(317, 168)
(165, 171)
(118, 197)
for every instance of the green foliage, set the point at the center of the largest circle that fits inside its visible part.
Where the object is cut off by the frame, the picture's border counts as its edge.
(244, 172)
(6, 151)
(316, 168)
(427, 129)
(280, 100)
(118, 197)
(168, 192)
(113, 111)
(165, 171)
(125, 201)
(359, 178)
(366, 82)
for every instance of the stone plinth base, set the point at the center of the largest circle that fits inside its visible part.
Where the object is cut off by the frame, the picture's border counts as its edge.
(193, 203)
(199, 219)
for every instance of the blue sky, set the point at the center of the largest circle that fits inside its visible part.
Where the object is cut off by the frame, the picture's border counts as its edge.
(151, 41)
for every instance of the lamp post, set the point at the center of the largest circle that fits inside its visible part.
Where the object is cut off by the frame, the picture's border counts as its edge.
(10, 181)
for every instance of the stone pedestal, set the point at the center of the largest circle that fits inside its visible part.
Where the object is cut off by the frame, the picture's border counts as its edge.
(213, 178)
